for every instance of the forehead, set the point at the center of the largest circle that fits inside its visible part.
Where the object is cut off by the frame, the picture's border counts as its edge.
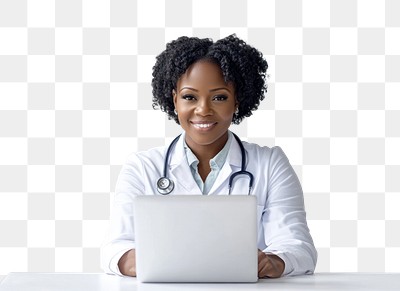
(202, 73)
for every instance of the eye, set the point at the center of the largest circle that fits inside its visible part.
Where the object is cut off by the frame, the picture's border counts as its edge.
(220, 98)
(188, 97)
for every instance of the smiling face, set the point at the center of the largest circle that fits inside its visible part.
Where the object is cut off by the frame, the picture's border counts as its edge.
(205, 106)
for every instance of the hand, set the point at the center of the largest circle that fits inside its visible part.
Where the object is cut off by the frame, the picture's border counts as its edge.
(269, 265)
(127, 263)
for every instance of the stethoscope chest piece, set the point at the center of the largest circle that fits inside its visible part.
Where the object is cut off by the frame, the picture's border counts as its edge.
(165, 185)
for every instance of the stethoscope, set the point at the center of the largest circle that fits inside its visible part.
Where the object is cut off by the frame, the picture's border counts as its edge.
(165, 185)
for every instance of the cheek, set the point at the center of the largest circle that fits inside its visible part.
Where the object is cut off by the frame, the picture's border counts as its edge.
(182, 110)
(182, 114)
(228, 113)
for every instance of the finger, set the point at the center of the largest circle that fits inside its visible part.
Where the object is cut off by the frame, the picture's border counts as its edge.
(261, 258)
(263, 265)
(260, 265)
(264, 270)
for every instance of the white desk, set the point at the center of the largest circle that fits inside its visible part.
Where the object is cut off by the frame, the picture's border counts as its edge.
(103, 282)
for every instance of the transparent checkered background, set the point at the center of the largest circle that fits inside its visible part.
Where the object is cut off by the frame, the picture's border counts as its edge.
(75, 100)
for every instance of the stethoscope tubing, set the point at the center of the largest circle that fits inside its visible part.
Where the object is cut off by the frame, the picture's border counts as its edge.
(165, 185)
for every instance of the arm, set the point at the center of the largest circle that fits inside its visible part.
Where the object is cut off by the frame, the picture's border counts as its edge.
(286, 233)
(116, 251)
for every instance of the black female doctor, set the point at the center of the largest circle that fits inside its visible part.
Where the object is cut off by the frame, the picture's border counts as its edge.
(206, 86)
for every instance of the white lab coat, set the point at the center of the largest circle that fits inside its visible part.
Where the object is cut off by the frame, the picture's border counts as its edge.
(282, 226)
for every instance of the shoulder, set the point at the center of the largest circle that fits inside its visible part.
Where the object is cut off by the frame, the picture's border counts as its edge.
(274, 153)
(271, 160)
(133, 177)
(148, 157)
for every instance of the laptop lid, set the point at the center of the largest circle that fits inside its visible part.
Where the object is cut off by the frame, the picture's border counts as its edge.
(196, 238)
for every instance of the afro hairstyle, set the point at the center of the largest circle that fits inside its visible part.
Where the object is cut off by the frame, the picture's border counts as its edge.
(240, 63)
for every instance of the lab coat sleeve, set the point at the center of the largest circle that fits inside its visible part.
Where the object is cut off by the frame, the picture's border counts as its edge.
(120, 236)
(284, 219)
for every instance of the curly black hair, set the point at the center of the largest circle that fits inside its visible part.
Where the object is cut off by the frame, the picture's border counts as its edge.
(240, 63)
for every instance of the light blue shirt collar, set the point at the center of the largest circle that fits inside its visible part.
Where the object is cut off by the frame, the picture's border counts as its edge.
(216, 164)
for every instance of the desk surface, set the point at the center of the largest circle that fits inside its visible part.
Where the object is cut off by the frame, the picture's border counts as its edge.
(103, 282)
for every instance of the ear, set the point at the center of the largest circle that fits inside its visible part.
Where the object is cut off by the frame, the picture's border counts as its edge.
(174, 96)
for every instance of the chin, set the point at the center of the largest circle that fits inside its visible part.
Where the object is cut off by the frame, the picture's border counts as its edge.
(204, 139)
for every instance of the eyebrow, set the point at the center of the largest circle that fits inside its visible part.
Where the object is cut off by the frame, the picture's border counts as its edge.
(212, 90)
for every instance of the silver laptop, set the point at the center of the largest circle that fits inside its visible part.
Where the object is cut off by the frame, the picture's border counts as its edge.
(196, 238)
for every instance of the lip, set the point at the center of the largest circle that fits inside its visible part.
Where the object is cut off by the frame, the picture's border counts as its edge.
(203, 125)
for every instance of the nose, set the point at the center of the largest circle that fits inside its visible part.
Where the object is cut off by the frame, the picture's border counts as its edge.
(203, 108)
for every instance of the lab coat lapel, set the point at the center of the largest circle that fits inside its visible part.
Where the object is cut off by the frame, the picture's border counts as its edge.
(232, 165)
(180, 171)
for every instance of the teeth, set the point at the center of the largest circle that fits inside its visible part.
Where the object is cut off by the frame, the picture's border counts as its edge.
(203, 125)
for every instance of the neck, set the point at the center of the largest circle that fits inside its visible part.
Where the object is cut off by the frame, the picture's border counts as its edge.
(205, 153)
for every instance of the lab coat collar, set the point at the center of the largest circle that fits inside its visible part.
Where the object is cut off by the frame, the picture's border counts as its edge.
(234, 157)
(232, 164)
(180, 171)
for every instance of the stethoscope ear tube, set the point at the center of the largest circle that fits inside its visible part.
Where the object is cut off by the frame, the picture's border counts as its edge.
(243, 168)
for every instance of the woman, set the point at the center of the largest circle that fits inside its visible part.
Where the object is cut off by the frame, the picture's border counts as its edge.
(205, 87)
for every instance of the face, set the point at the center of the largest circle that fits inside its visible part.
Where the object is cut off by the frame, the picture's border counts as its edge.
(205, 105)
